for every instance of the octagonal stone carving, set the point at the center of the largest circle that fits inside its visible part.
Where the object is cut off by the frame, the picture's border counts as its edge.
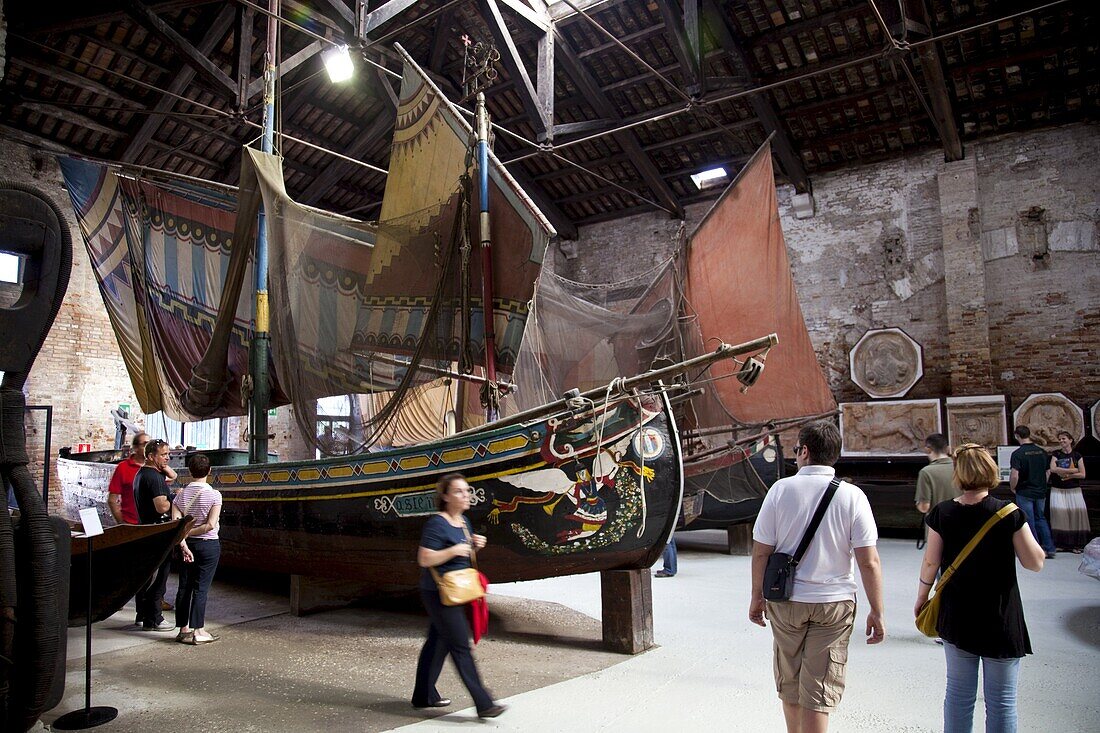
(1048, 412)
(886, 363)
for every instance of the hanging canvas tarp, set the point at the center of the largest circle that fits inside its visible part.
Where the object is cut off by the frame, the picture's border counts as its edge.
(160, 253)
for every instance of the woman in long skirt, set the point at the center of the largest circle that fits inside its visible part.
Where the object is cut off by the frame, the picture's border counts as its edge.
(1069, 518)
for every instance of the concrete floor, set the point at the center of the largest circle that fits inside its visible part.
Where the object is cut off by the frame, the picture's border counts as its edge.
(351, 669)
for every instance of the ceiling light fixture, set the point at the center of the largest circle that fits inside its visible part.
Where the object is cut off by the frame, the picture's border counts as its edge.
(709, 178)
(338, 63)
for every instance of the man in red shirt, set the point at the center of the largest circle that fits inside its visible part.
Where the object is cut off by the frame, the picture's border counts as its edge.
(120, 498)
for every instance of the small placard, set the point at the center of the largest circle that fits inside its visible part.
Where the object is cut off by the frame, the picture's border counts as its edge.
(1004, 461)
(90, 519)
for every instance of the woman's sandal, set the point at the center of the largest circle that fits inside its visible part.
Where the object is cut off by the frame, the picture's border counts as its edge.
(196, 640)
(185, 637)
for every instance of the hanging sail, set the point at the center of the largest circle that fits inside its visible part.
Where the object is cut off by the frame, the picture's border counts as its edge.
(737, 281)
(160, 252)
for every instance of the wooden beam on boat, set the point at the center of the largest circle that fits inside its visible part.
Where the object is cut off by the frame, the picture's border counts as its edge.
(627, 384)
(627, 600)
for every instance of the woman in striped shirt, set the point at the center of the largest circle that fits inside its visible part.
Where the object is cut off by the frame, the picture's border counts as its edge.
(203, 503)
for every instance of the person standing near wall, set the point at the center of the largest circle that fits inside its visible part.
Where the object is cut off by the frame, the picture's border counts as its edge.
(1069, 517)
(934, 482)
(120, 496)
(1028, 481)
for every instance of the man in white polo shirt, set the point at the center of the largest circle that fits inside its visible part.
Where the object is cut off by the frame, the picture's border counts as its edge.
(812, 629)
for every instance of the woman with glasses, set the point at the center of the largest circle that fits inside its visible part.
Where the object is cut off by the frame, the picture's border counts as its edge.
(445, 545)
(981, 618)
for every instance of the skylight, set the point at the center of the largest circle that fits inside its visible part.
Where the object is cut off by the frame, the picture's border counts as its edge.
(709, 178)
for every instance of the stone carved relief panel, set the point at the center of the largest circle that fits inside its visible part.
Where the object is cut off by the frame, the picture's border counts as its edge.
(1048, 412)
(886, 362)
(888, 428)
(981, 420)
(1096, 420)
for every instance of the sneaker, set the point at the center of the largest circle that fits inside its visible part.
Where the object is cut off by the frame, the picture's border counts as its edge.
(164, 625)
(1051, 555)
(664, 574)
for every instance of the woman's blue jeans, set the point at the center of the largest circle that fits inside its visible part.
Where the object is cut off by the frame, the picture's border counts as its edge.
(999, 689)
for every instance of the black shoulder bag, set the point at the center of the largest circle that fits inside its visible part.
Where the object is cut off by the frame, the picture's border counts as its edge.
(779, 572)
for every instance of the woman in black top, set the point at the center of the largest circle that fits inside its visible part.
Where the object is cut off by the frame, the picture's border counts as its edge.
(445, 546)
(1069, 517)
(981, 617)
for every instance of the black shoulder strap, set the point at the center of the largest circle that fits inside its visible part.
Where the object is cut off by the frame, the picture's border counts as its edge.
(818, 515)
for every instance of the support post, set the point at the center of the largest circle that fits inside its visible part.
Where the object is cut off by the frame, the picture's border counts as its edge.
(739, 539)
(261, 339)
(312, 595)
(627, 597)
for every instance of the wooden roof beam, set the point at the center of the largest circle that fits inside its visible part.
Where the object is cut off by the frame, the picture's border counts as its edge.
(215, 34)
(761, 103)
(562, 223)
(199, 60)
(535, 104)
(683, 31)
(626, 139)
(943, 113)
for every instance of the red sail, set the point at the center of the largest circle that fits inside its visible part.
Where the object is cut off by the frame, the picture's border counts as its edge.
(738, 282)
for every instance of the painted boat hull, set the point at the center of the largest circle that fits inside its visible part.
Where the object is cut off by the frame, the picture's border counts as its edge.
(706, 508)
(123, 558)
(592, 490)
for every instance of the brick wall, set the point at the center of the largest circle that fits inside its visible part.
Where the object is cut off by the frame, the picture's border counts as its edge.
(79, 370)
(873, 256)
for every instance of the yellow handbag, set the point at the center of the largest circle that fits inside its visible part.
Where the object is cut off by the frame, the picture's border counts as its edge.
(459, 587)
(929, 615)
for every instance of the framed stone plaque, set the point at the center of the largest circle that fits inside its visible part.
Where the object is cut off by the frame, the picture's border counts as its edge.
(890, 428)
(1096, 420)
(982, 420)
(1048, 412)
(886, 363)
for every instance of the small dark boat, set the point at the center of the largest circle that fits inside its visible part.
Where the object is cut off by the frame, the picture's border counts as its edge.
(123, 558)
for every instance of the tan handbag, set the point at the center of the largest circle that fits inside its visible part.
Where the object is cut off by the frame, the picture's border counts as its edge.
(459, 587)
(929, 615)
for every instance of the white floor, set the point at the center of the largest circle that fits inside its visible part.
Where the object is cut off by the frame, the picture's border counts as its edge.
(713, 668)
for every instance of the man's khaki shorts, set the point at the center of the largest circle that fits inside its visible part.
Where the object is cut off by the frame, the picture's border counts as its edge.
(811, 651)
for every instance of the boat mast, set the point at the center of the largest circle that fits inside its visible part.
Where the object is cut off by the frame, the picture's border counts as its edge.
(486, 256)
(261, 338)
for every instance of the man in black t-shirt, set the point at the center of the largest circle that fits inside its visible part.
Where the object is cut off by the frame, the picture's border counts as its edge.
(1028, 482)
(154, 504)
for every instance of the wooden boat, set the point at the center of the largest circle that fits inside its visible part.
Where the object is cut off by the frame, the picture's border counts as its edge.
(574, 492)
(591, 483)
(123, 557)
